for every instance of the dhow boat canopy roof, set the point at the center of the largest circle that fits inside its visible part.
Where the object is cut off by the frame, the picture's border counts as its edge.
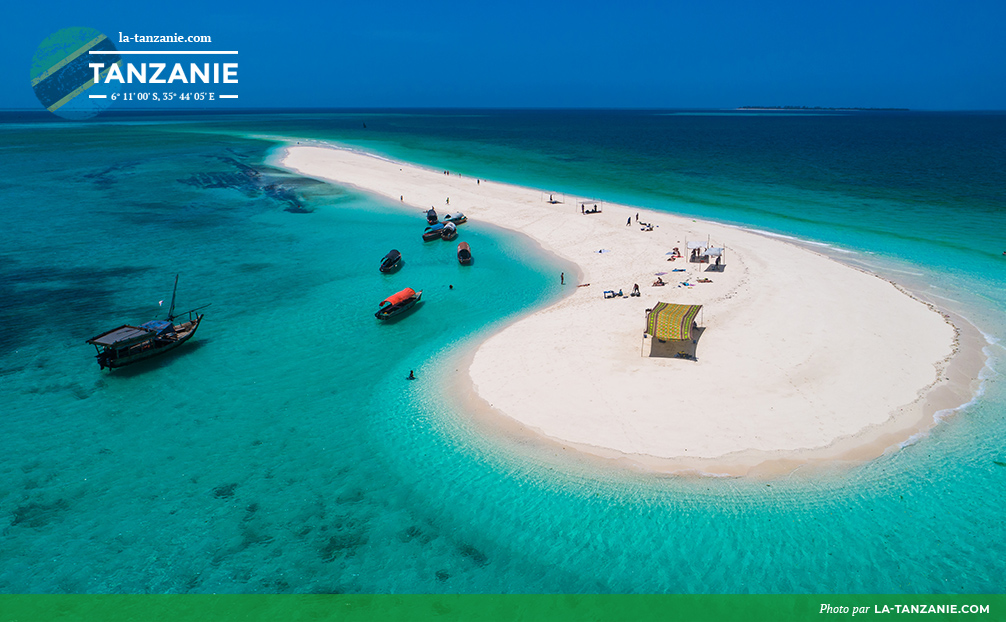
(122, 337)
(400, 297)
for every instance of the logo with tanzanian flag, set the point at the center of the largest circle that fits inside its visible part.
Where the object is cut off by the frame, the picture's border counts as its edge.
(62, 79)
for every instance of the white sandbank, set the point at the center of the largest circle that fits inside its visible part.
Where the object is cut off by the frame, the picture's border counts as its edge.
(803, 360)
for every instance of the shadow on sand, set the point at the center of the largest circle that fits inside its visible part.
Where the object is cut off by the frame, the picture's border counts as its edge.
(683, 348)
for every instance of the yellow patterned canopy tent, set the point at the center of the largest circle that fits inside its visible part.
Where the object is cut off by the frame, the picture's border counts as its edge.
(671, 322)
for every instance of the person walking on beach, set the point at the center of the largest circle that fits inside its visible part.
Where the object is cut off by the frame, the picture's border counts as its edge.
(562, 278)
(448, 200)
(637, 216)
(583, 212)
(628, 221)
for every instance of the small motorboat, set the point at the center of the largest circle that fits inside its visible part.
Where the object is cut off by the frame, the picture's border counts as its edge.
(458, 219)
(449, 232)
(398, 303)
(431, 216)
(464, 254)
(391, 262)
(433, 232)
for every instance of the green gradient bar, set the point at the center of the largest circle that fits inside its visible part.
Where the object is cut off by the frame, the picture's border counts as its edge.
(531, 608)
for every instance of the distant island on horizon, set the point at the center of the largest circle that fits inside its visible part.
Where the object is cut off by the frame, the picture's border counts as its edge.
(817, 108)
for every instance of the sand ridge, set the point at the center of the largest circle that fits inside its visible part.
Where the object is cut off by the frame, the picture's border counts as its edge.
(799, 357)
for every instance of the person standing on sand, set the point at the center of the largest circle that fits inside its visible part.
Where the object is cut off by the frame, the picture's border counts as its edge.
(628, 221)
(448, 200)
(583, 212)
(637, 216)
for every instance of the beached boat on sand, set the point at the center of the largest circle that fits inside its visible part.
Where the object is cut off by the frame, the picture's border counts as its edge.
(464, 254)
(129, 344)
(433, 232)
(457, 218)
(449, 232)
(398, 303)
(391, 262)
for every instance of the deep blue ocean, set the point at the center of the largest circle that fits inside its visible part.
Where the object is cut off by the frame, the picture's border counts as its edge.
(282, 450)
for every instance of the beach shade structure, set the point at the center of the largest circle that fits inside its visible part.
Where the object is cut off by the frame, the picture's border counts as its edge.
(715, 252)
(668, 322)
(671, 322)
(696, 249)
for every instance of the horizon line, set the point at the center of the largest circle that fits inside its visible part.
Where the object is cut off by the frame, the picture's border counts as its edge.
(533, 108)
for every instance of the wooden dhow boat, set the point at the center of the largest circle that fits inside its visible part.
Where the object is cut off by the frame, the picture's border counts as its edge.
(449, 232)
(433, 232)
(464, 254)
(398, 303)
(128, 344)
(391, 262)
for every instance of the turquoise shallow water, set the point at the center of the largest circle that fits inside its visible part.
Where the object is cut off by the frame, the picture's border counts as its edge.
(282, 450)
